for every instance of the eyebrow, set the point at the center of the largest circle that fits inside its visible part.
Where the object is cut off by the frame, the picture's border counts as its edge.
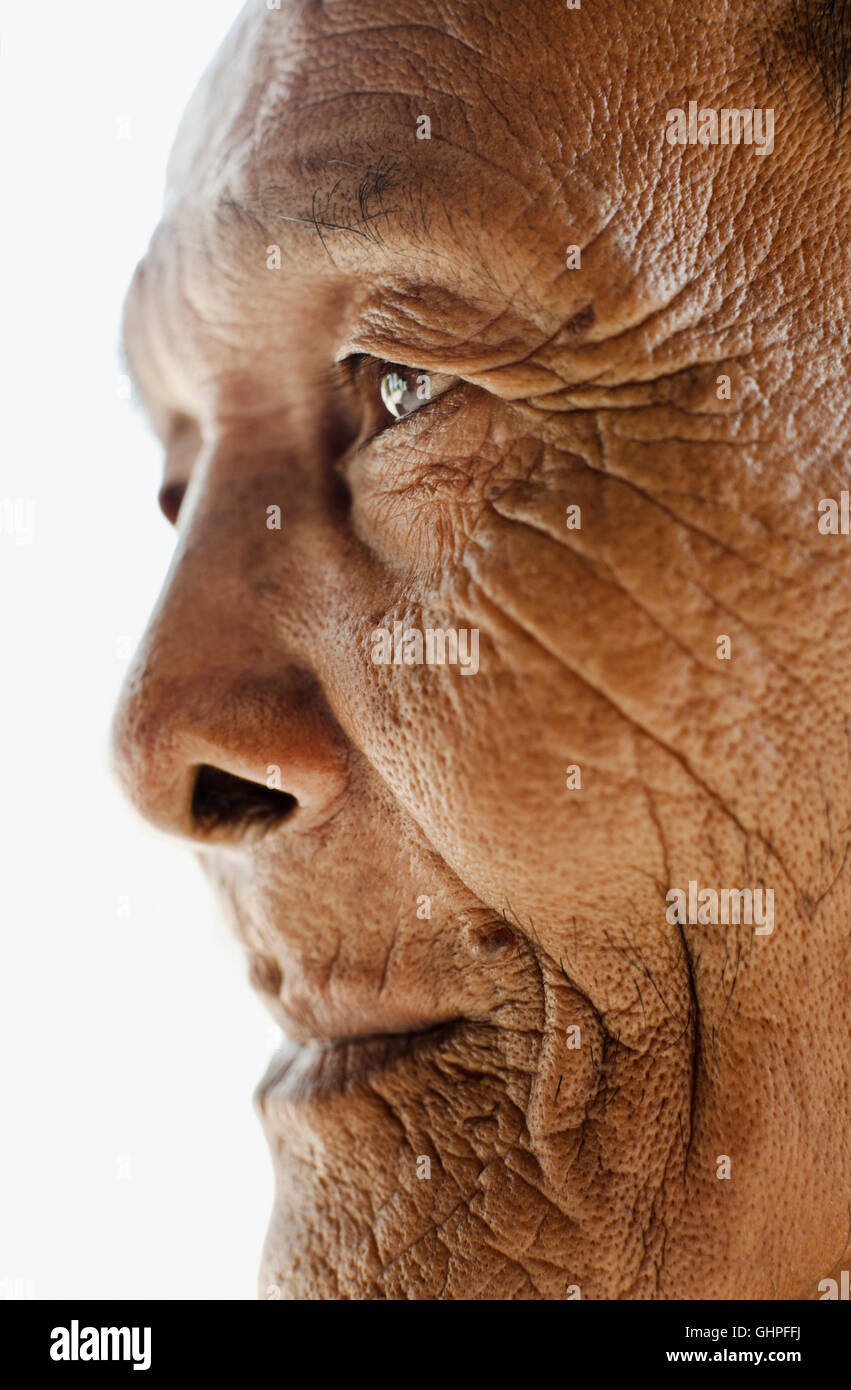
(354, 199)
(815, 35)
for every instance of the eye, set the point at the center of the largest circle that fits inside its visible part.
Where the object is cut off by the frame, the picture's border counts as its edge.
(390, 392)
(401, 396)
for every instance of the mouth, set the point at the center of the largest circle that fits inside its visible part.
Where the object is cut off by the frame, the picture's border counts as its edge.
(316, 1070)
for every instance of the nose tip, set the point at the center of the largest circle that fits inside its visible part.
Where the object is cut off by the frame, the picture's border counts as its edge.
(221, 758)
(222, 730)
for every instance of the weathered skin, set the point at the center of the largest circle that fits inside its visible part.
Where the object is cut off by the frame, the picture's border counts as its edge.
(551, 1167)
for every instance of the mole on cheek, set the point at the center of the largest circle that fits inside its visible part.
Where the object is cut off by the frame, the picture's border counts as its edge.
(491, 940)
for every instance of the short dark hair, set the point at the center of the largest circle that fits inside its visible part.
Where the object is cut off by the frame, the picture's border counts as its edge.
(817, 35)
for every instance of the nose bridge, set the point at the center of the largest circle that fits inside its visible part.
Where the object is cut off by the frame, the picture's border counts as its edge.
(224, 676)
(265, 493)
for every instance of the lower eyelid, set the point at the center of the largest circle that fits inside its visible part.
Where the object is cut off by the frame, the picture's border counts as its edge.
(424, 412)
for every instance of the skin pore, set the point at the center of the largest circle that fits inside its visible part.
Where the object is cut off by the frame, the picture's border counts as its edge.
(583, 1066)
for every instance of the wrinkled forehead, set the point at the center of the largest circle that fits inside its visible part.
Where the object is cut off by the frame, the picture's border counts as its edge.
(462, 145)
(475, 97)
(288, 85)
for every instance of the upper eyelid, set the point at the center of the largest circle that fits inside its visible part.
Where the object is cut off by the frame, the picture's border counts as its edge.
(355, 361)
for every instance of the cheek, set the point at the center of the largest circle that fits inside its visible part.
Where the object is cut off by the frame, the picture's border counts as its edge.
(597, 652)
(479, 756)
(419, 488)
(531, 790)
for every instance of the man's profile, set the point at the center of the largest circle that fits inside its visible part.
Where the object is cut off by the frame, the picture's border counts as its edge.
(502, 676)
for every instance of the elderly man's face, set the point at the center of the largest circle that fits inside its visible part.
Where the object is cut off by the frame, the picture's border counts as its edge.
(521, 1067)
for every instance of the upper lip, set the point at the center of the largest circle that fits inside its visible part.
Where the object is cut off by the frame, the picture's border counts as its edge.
(374, 1036)
(353, 1017)
(323, 1068)
(351, 1026)
(317, 1003)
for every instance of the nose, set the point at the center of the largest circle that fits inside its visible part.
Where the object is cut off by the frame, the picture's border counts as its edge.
(222, 731)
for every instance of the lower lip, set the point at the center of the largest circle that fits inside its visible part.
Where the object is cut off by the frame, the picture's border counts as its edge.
(320, 1070)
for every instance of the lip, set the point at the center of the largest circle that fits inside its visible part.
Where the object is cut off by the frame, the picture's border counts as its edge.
(308, 1015)
(321, 1069)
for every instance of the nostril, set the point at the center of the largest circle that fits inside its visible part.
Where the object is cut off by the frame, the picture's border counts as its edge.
(221, 800)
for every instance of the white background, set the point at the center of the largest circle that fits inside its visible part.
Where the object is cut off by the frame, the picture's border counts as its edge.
(131, 1161)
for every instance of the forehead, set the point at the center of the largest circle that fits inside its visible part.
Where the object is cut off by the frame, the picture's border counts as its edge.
(302, 102)
(308, 133)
